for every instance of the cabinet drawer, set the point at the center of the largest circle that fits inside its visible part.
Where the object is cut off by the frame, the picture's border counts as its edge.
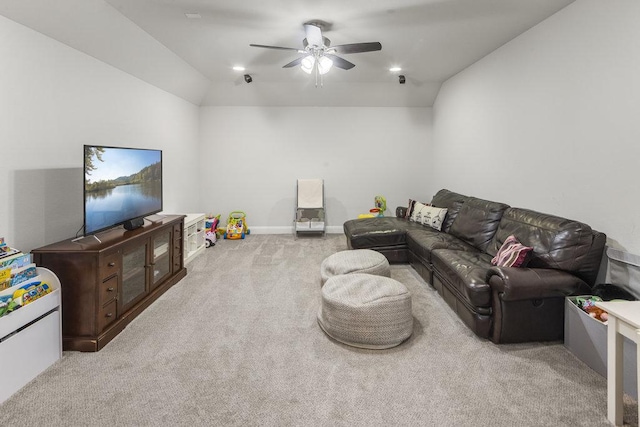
(108, 290)
(177, 231)
(109, 265)
(106, 315)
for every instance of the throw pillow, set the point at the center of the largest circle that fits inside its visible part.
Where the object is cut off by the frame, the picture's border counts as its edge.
(429, 215)
(410, 206)
(512, 253)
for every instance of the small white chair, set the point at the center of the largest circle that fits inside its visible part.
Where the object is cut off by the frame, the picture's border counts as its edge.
(310, 211)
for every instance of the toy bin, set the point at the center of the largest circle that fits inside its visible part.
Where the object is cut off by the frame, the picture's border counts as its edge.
(586, 338)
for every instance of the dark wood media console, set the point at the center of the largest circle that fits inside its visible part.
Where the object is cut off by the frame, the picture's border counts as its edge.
(106, 284)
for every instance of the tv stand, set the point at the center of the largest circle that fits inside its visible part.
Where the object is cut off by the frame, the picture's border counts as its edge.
(107, 283)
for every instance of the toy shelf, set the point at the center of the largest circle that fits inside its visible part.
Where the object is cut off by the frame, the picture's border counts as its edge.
(31, 335)
(194, 242)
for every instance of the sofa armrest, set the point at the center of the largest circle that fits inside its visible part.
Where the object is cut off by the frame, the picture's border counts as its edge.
(516, 284)
(401, 211)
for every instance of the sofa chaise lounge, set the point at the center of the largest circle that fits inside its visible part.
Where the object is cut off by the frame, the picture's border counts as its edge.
(503, 304)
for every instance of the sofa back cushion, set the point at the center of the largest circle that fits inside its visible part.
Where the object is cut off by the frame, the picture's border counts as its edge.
(452, 202)
(557, 242)
(477, 222)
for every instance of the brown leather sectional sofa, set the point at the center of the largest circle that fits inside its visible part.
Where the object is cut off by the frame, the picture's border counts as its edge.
(504, 304)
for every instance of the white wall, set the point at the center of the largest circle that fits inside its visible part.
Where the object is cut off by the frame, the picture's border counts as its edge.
(54, 99)
(101, 31)
(550, 121)
(252, 156)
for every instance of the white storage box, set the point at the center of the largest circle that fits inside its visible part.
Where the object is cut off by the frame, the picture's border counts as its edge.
(303, 224)
(317, 224)
(586, 338)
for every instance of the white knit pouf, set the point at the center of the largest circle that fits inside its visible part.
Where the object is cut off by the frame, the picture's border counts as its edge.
(354, 261)
(367, 311)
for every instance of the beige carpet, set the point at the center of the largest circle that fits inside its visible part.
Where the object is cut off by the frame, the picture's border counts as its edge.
(237, 343)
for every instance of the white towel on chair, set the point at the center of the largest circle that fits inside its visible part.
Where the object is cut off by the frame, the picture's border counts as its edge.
(310, 193)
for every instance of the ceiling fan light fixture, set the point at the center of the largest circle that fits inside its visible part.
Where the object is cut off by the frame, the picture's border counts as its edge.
(318, 56)
(324, 64)
(307, 64)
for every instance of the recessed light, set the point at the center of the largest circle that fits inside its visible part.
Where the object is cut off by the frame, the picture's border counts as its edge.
(395, 69)
(238, 68)
(193, 15)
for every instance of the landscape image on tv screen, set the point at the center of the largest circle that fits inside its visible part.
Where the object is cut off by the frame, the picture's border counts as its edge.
(120, 184)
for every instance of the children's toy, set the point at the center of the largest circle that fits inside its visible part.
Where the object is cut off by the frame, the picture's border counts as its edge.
(381, 204)
(236, 226)
(587, 304)
(211, 230)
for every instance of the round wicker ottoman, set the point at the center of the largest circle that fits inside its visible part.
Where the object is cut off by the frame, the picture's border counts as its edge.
(367, 311)
(354, 261)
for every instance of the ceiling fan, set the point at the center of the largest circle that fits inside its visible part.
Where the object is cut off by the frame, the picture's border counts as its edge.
(319, 55)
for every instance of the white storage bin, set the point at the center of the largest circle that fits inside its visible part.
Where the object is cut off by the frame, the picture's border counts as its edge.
(303, 224)
(316, 224)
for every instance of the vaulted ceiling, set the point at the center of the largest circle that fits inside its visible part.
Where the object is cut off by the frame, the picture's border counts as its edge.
(193, 57)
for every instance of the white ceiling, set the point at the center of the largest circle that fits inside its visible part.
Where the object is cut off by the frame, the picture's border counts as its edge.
(431, 40)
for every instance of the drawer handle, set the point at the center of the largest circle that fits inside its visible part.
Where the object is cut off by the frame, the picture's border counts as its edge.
(110, 289)
(108, 315)
(112, 264)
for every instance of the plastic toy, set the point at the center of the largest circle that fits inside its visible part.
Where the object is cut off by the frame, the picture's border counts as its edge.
(381, 205)
(236, 226)
(211, 231)
(588, 306)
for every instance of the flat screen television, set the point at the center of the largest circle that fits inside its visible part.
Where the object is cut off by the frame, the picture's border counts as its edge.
(121, 186)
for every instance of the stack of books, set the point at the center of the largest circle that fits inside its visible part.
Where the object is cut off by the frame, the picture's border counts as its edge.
(15, 267)
(18, 276)
(5, 250)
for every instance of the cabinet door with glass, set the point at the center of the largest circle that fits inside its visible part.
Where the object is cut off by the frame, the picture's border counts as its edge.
(134, 275)
(161, 257)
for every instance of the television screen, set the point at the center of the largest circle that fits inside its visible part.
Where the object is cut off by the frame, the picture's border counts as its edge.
(120, 184)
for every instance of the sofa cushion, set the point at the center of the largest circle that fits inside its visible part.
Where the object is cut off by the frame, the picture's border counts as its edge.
(422, 241)
(557, 242)
(477, 222)
(465, 273)
(512, 253)
(450, 200)
(428, 215)
(367, 233)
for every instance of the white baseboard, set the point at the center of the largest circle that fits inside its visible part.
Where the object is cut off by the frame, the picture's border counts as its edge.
(335, 229)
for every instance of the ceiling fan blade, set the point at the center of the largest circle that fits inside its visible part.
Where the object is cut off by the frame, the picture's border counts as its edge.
(294, 62)
(276, 47)
(314, 35)
(339, 62)
(357, 47)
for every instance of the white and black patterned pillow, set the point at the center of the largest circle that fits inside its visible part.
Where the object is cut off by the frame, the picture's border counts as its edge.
(428, 215)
